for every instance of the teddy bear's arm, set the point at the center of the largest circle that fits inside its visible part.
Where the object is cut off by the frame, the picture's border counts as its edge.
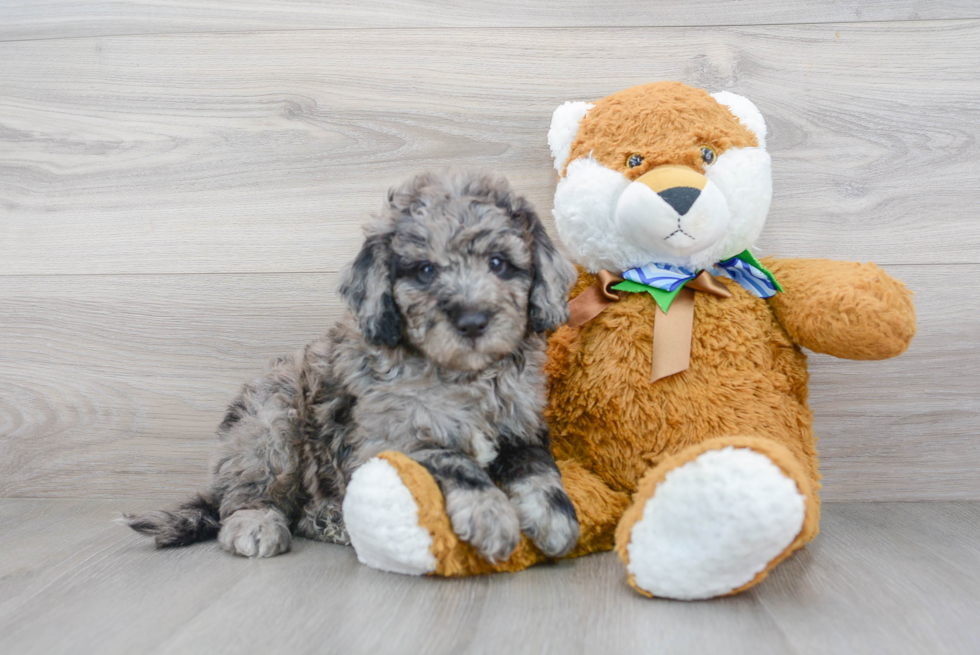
(844, 309)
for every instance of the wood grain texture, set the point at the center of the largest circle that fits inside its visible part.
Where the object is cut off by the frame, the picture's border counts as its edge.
(881, 578)
(125, 601)
(49, 19)
(113, 385)
(906, 428)
(174, 208)
(264, 152)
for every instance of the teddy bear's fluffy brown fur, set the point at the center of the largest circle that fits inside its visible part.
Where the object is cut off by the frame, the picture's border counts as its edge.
(667, 126)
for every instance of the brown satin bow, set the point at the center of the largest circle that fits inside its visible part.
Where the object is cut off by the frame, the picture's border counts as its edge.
(672, 331)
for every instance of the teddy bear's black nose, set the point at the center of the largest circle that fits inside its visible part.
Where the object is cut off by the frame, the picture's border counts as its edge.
(680, 197)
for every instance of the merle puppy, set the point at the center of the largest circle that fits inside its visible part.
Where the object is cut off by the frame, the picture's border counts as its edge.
(439, 357)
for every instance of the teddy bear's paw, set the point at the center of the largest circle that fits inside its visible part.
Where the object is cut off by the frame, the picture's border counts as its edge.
(713, 524)
(382, 519)
(485, 519)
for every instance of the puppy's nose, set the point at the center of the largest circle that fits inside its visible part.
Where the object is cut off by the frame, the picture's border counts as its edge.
(472, 324)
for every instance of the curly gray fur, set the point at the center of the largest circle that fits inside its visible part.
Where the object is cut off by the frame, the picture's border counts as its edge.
(439, 357)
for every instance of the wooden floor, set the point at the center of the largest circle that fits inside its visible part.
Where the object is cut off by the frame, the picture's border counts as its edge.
(881, 578)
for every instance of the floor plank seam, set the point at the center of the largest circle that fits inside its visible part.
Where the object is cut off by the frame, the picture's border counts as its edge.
(965, 19)
(21, 276)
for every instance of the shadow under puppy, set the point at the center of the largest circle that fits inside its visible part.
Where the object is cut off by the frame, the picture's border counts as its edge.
(439, 357)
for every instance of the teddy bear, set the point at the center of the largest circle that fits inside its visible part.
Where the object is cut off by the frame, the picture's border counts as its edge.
(678, 389)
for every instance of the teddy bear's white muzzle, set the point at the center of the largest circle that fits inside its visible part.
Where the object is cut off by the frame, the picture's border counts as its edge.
(676, 221)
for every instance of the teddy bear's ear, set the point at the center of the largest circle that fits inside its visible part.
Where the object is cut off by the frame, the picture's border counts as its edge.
(746, 112)
(564, 129)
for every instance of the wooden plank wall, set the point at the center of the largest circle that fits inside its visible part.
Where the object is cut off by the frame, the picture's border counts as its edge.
(179, 187)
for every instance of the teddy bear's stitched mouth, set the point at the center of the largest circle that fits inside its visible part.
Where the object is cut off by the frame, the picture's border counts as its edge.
(679, 231)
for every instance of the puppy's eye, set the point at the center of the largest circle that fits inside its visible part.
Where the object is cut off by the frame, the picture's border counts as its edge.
(499, 265)
(426, 272)
(634, 160)
(708, 155)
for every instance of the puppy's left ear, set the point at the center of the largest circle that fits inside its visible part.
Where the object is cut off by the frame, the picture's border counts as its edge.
(368, 287)
(553, 275)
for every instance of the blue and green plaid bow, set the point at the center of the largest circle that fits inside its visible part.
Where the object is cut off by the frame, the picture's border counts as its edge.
(664, 281)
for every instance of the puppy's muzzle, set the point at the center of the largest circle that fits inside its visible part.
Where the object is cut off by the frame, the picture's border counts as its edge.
(679, 186)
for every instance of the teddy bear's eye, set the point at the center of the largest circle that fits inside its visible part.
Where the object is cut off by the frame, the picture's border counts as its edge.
(634, 160)
(708, 155)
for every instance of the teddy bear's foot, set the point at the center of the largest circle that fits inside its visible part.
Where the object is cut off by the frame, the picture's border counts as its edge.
(715, 518)
(382, 519)
(396, 518)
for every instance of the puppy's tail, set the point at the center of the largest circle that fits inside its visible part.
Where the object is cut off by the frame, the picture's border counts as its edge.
(193, 521)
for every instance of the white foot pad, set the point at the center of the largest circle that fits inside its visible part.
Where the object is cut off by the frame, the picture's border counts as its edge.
(382, 520)
(713, 524)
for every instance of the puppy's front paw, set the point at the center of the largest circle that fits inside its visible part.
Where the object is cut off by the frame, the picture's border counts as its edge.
(255, 533)
(485, 519)
(548, 519)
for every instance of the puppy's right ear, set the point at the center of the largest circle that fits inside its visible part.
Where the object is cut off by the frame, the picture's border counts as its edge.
(553, 273)
(368, 287)
(564, 128)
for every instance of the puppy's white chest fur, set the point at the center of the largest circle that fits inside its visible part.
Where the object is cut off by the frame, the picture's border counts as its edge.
(483, 449)
(475, 428)
(462, 413)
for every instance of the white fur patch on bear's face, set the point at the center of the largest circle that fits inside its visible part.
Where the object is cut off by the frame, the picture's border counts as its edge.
(608, 222)
(744, 177)
(584, 203)
(663, 232)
